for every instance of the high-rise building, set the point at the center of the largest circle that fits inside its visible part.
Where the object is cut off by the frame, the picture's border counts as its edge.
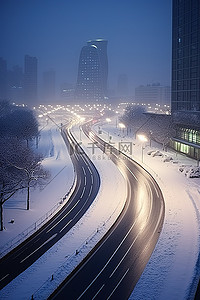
(30, 79)
(185, 102)
(92, 72)
(49, 86)
(67, 92)
(3, 79)
(153, 94)
(122, 85)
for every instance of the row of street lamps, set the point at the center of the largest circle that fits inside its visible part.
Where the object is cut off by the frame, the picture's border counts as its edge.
(143, 139)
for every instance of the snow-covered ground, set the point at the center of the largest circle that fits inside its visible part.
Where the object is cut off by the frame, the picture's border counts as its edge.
(58, 162)
(60, 259)
(171, 269)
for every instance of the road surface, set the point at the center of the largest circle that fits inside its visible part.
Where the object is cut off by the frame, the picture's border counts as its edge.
(113, 268)
(87, 186)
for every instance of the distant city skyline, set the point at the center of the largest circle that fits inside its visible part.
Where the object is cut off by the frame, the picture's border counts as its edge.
(30, 79)
(138, 32)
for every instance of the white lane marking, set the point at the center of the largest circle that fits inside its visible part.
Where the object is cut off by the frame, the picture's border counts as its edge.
(36, 240)
(76, 156)
(85, 180)
(52, 237)
(116, 267)
(82, 192)
(122, 241)
(4, 277)
(90, 191)
(65, 225)
(85, 160)
(131, 172)
(118, 284)
(92, 179)
(98, 292)
(156, 190)
(84, 171)
(90, 170)
(63, 217)
(124, 256)
(126, 166)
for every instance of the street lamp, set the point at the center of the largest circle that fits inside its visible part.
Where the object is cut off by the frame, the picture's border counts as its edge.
(108, 120)
(143, 139)
(121, 126)
(82, 119)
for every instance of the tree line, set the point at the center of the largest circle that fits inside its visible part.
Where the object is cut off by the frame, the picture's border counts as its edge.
(157, 127)
(20, 166)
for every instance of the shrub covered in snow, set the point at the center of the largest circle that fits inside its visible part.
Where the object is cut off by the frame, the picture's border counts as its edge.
(157, 153)
(167, 158)
(194, 172)
(190, 171)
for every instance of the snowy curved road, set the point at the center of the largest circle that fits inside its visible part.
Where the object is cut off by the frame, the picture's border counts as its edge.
(87, 186)
(115, 265)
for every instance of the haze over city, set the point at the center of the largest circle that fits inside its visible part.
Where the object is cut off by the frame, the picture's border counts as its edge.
(100, 150)
(138, 34)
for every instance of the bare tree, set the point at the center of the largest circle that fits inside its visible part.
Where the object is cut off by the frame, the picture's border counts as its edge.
(134, 117)
(20, 168)
(158, 127)
(10, 177)
(32, 172)
(17, 122)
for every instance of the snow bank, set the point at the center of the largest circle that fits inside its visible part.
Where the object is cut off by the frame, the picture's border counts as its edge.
(69, 251)
(57, 161)
(172, 268)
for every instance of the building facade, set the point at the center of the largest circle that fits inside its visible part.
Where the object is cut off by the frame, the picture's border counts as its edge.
(49, 89)
(185, 98)
(122, 85)
(92, 72)
(30, 79)
(153, 94)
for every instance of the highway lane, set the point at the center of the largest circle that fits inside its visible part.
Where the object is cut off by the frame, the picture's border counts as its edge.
(87, 186)
(112, 270)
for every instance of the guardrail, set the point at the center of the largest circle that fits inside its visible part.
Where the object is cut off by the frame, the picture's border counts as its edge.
(76, 256)
(13, 243)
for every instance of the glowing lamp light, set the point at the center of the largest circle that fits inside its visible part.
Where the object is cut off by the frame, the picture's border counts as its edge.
(121, 125)
(142, 138)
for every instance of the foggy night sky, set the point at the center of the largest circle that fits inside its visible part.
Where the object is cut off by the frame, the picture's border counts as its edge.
(138, 34)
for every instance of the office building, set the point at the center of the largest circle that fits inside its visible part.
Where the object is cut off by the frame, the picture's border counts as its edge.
(67, 91)
(30, 79)
(185, 101)
(153, 94)
(49, 86)
(92, 72)
(122, 85)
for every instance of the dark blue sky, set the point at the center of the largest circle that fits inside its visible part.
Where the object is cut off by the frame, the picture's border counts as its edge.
(138, 34)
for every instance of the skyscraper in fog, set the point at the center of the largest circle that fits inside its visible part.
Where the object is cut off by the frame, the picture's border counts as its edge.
(3, 79)
(122, 85)
(185, 102)
(49, 86)
(92, 72)
(30, 79)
